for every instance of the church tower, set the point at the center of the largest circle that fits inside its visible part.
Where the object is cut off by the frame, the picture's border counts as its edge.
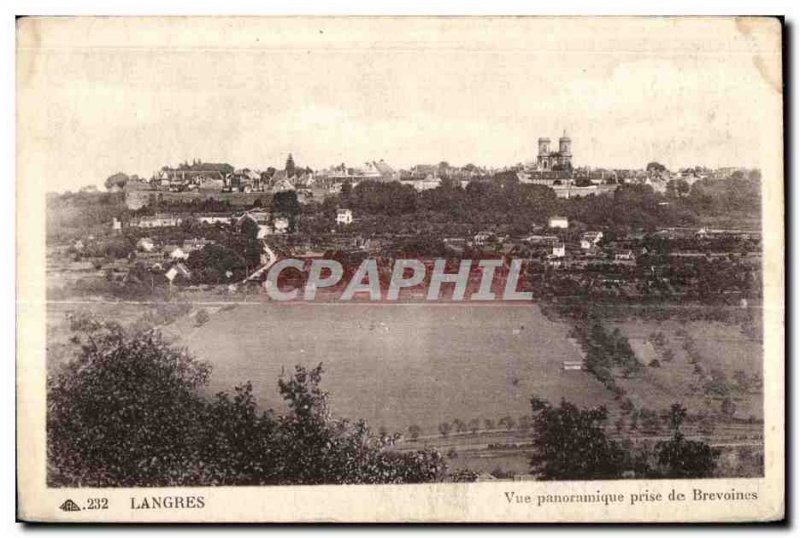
(544, 146)
(565, 145)
(565, 151)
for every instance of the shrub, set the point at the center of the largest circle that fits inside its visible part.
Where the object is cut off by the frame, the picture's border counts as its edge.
(462, 475)
(127, 411)
(570, 444)
(202, 317)
(414, 432)
(682, 458)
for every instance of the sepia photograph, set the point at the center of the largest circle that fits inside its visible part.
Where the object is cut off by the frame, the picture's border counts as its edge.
(403, 258)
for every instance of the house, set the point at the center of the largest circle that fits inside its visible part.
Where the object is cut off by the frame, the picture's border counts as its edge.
(590, 239)
(344, 216)
(157, 221)
(558, 222)
(214, 218)
(559, 250)
(387, 172)
(523, 178)
(195, 244)
(281, 185)
(176, 270)
(624, 256)
(280, 225)
(175, 252)
(116, 225)
(536, 239)
(572, 365)
(428, 182)
(210, 184)
(244, 180)
(482, 237)
(145, 244)
(259, 216)
(304, 180)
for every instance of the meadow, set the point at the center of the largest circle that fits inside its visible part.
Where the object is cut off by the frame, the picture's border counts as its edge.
(399, 364)
(719, 347)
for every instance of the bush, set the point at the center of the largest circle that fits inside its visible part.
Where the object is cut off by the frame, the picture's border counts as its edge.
(202, 317)
(112, 411)
(462, 475)
(682, 458)
(414, 432)
(127, 411)
(570, 444)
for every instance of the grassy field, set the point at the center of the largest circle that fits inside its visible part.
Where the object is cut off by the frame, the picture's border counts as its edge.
(719, 346)
(400, 364)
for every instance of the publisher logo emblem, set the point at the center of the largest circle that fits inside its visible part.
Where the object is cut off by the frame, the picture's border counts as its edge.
(70, 506)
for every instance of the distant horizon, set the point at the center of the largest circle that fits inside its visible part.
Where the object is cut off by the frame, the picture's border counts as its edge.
(101, 186)
(134, 94)
(353, 164)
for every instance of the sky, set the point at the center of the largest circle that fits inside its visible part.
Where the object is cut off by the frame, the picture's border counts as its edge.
(98, 96)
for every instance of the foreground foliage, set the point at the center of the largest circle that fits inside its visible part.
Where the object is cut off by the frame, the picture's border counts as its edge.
(127, 411)
(571, 444)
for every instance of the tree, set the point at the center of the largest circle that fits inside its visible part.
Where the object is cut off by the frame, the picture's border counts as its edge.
(683, 188)
(112, 410)
(347, 189)
(655, 167)
(728, 408)
(445, 428)
(474, 425)
(718, 384)
(285, 204)
(570, 443)
(649, 420)
(488, 424)
(507, 422)
(459, 426)
(742, 381)
(249, 228)
(202, 317)
(118, 180)
(290, 167)
(525, 422)
(414, 432)
(682, 458)
(213, 262)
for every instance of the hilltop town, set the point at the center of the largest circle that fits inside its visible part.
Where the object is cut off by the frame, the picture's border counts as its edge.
(607, 232)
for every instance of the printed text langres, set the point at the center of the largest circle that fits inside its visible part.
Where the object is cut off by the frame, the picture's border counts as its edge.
(406, 273)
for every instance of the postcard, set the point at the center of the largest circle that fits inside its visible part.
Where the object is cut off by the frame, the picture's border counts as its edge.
(400, 269)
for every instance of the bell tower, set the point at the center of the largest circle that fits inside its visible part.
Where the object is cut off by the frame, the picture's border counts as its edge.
(544, 146)
(565, 145)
